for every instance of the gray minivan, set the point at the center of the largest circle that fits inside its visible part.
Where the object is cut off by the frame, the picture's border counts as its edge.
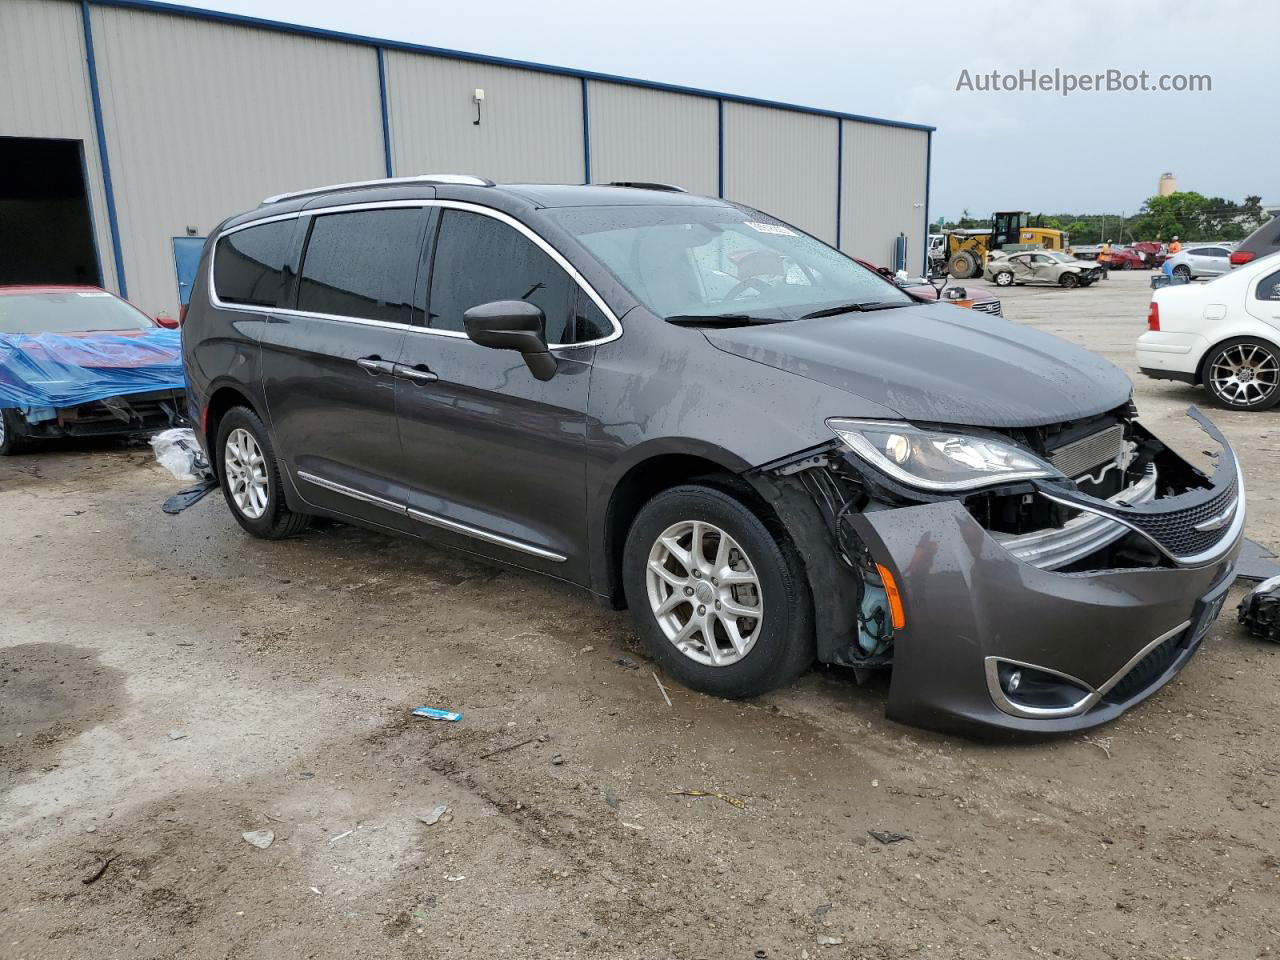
(693, 409)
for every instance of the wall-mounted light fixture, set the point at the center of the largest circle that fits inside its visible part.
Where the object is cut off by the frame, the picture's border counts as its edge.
(479, 99)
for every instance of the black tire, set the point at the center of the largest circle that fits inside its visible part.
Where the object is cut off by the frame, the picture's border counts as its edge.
(964, 265)
(11, 439)
(1126, 265)
(1004, 278)
(784, 646)
(277, 521)
(1069, 280)
(1261, 355)
(1182, 270)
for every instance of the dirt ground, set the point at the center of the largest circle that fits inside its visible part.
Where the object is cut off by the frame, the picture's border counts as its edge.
(168, 684)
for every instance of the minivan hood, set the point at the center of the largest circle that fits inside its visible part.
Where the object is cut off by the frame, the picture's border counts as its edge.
(939, 363)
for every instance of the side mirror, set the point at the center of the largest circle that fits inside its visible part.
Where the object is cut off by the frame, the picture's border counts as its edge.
(513, 325)
(168, 322)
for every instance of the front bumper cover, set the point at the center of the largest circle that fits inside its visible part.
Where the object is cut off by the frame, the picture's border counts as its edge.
(1119, 634)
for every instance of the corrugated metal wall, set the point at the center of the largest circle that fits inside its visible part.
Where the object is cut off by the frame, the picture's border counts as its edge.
(653, 135)
(530, 123)
(45, 93)
(784, 163)
(203, 120)
(885, 172)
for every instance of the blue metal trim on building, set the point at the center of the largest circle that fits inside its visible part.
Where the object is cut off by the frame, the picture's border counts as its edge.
(386, 123)
(720, 134)
(586, 134)
(108, 193)
(199, 13)
(839, 178)
(928, 174)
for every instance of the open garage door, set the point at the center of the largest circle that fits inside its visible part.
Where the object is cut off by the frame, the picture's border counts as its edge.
(46, 231)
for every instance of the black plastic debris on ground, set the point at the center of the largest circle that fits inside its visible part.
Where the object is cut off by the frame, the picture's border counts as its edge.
(191, 495)
(886, 837)
(1256, 562)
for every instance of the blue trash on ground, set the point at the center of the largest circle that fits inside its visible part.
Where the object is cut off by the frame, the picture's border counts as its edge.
(434, 713)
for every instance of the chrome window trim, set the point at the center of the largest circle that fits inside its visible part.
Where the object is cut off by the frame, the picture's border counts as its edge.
(433, 519)
(528, 232)
(1086, 703)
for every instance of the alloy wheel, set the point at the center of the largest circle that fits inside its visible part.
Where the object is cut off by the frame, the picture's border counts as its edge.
(704, 592)
(1244, 374)
(246, 473)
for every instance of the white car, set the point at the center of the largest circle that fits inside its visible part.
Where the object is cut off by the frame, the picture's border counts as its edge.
(1203, 260)
(1223, 335)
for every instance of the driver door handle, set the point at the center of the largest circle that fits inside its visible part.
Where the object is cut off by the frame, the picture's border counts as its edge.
(418, 375)
(375, 365)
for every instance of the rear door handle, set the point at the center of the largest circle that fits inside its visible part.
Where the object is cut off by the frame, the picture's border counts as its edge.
(419, 374)
(376, 365)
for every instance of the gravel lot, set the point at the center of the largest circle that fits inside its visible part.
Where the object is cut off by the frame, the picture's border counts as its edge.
(167, 684)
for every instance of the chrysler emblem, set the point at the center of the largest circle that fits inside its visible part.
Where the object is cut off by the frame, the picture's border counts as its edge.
(1220, 521)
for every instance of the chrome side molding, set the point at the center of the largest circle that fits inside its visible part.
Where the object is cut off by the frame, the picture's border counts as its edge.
(433, 519)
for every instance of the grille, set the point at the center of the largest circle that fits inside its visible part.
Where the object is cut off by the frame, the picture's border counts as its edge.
(1176, 531)
(1081, 456)
(1148, 670)
(989, 306)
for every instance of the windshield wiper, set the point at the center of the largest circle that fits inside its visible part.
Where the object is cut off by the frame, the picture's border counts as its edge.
(850, 307)
(716, 319)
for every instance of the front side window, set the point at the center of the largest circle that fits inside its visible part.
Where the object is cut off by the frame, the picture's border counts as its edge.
(249, 265)
(362, 264)
(695, 262)
(479, 259)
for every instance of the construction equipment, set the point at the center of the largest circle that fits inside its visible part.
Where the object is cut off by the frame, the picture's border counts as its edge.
(965, 252)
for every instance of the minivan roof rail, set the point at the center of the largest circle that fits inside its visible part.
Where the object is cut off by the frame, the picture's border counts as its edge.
(460, 179)
(645, 185)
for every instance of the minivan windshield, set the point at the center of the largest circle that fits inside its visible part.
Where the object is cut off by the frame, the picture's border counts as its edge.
(716, 264)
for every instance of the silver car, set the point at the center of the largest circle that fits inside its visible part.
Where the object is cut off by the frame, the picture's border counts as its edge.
(1206, 260)
(1048, 266)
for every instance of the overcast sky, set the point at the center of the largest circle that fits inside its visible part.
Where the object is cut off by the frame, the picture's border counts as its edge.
(1089, 152)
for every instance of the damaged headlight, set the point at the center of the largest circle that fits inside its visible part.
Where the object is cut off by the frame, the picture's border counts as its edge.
(934, 460)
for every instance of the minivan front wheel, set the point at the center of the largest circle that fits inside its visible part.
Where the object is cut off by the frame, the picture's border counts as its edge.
(250, 478)
(720, 599)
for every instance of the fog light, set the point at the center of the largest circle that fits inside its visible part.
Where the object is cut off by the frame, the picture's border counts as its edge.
(1023, 690)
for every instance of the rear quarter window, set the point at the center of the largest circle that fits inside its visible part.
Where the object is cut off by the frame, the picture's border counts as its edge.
(249, 265)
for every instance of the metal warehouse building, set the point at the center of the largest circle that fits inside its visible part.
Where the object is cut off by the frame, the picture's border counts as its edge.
(129, 129)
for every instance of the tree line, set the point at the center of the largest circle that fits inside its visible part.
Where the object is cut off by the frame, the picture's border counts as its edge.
(1185, 214)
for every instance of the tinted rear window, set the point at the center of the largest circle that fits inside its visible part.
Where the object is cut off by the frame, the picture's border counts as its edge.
(363, 264)
(249, 265)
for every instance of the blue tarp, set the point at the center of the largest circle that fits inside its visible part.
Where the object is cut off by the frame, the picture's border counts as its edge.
(52, 370)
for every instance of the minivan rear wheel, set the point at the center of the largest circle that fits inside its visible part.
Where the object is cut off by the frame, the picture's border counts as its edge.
(250, 478)
(720, 599)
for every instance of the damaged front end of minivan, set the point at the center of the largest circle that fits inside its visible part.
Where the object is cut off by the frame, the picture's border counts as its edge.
(1038, 580)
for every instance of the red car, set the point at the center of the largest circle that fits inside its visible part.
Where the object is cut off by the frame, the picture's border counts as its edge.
(1153, 253)
(960, 296)
(1127, 258)
(78, 361)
